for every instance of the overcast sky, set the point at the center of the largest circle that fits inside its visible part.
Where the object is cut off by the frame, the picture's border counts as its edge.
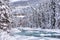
(13, 0)
(17, 0)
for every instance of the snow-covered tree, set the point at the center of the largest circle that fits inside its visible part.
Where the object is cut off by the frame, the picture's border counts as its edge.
(5, 22)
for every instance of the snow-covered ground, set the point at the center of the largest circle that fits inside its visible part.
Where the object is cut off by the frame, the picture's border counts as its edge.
(30, 34)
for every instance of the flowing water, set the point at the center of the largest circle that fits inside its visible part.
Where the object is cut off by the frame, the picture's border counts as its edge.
(32, 34)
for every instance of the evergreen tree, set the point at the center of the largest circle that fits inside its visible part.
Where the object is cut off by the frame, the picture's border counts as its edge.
(4, 15)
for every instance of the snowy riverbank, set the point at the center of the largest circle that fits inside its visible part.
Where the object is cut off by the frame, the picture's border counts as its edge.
(29, 34)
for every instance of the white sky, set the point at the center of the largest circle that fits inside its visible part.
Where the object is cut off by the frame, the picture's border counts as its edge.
(17, 0)
(13, 0)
